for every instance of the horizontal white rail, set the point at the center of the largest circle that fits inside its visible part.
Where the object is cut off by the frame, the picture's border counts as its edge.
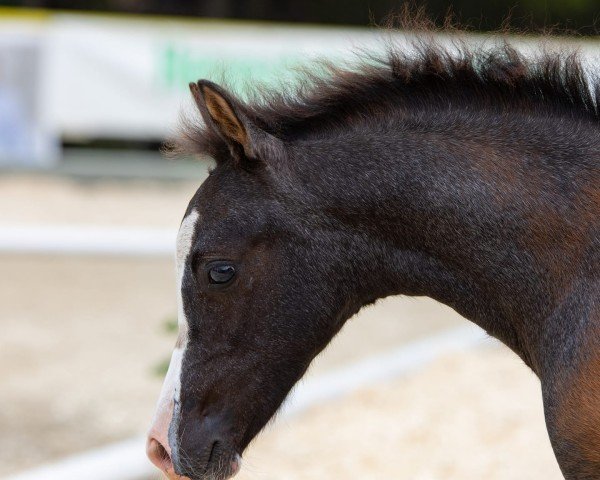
(381, 367)
(127, 460)
(87, 240)
(119, 461)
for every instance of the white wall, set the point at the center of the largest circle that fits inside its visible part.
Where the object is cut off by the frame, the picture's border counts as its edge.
(126, 77)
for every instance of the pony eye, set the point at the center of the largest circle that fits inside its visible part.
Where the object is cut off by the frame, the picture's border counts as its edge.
(221, 273)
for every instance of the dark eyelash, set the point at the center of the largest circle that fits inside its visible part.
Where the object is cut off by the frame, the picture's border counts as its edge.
(200, 256)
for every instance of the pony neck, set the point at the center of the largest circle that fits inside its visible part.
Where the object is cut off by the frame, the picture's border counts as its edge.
(457, 211)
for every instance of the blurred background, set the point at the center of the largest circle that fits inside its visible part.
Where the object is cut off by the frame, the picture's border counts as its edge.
(89, 208)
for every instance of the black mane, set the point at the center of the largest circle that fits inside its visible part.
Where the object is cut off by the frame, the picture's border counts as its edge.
(428, 77)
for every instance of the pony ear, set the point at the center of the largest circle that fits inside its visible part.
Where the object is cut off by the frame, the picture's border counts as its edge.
(223, 113)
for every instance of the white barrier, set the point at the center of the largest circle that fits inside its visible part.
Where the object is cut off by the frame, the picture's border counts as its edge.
(71, 240)
(381, 367)
(127, 461)
(126, 76)
(120, 461)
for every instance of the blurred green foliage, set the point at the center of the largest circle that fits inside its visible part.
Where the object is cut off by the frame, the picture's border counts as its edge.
(170, 327)
(581, 15)
(160, 369)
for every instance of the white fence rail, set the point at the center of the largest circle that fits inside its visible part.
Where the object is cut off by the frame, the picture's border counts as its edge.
(87, 240)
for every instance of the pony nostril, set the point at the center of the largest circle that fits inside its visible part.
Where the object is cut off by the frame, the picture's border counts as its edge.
(159, 456)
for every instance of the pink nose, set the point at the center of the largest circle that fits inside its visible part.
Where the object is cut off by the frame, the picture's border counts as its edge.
(158, 453)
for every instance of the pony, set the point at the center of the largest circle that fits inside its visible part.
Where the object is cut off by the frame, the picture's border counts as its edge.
(469, 174)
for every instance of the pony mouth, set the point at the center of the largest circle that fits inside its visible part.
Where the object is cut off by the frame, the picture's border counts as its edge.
(215, 470)
(220, 465)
